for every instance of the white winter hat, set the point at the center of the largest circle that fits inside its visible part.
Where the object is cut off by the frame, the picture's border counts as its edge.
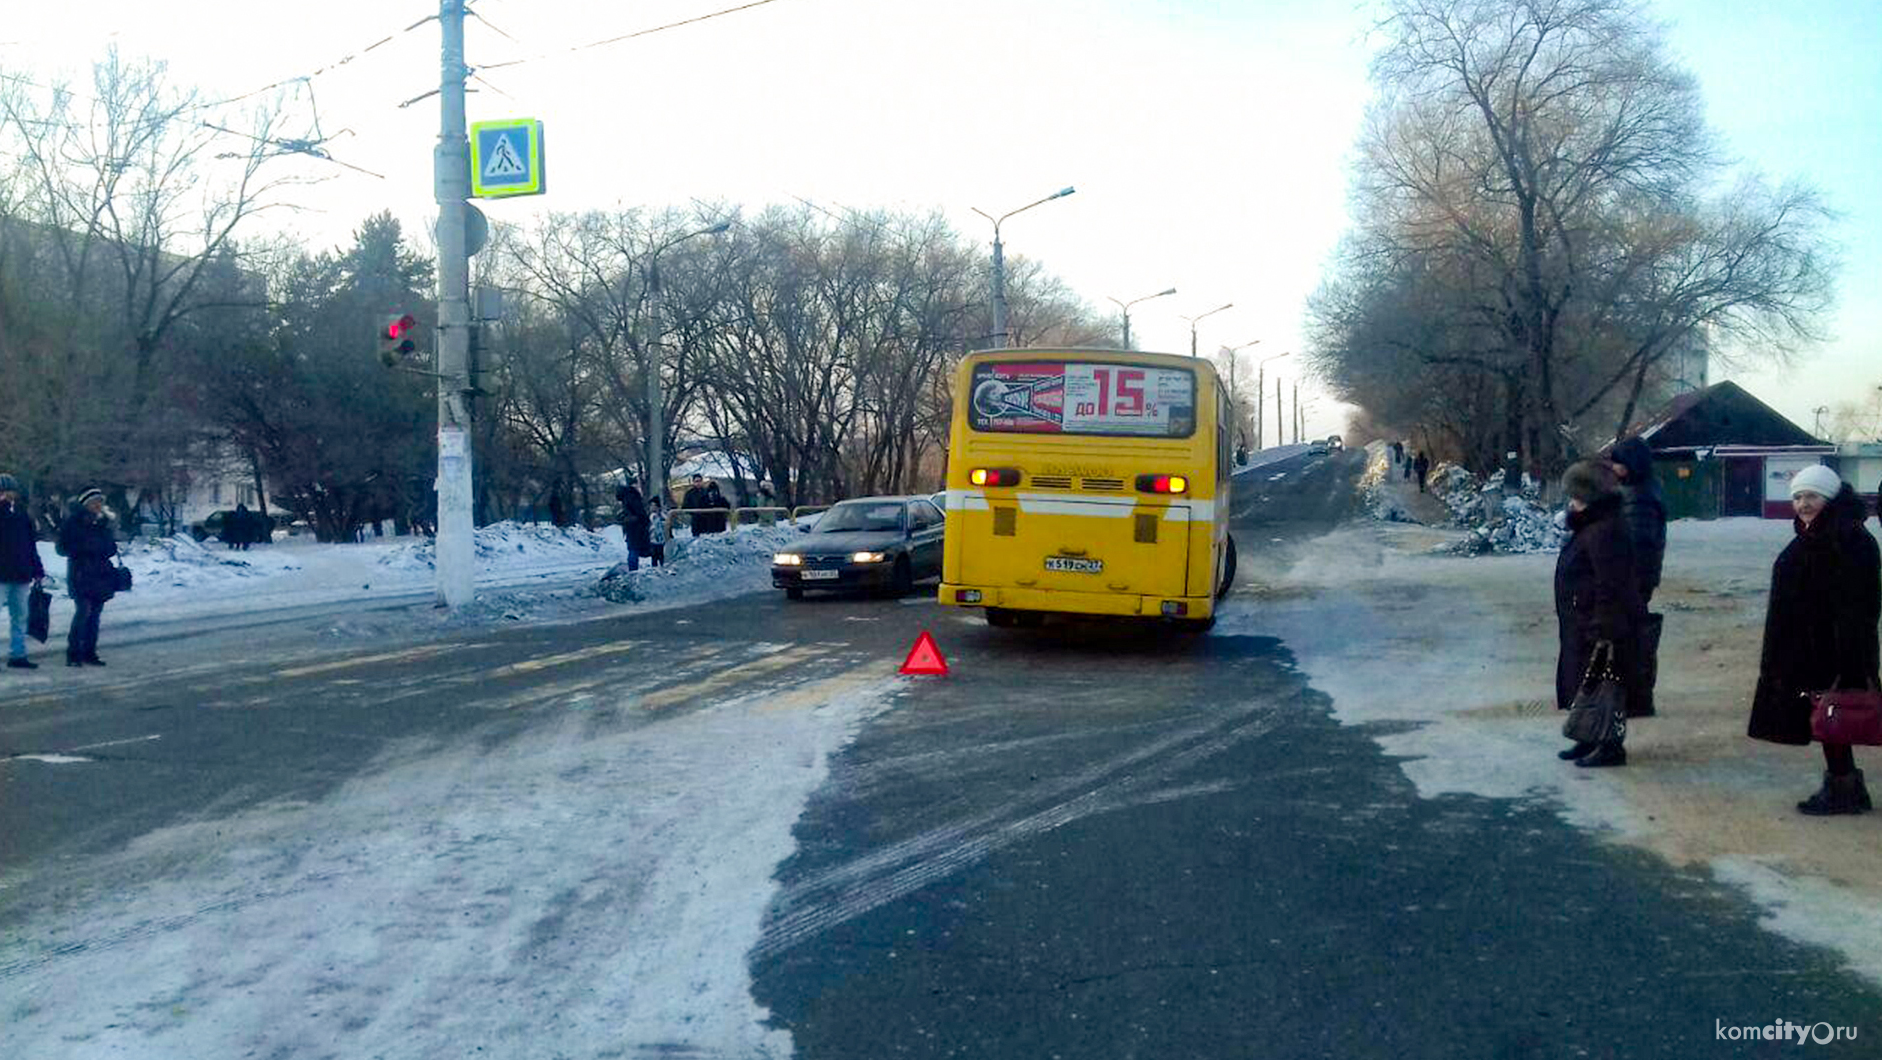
(1816, 479)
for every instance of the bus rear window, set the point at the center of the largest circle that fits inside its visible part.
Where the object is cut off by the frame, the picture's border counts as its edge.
(1070, 397)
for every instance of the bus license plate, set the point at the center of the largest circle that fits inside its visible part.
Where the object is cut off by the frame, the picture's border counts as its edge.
(819, 575)
(1075, 565)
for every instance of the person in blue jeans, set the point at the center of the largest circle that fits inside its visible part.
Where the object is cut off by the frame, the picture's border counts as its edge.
(20, 568)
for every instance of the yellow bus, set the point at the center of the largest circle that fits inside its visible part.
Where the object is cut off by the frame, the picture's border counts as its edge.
(1088, 482)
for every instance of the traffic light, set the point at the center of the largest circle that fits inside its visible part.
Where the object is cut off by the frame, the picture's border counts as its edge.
(397, 338)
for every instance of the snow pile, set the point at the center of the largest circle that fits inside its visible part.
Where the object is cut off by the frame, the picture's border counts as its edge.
(1522, 526)
(1461, 492)
(739, 560)
(181, 561)
(511, 545)
(1382, 501)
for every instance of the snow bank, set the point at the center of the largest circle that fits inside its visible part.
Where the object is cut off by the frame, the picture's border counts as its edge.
(510, 545)
(702, 567)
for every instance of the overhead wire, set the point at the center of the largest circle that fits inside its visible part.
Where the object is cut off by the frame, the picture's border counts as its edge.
(631, 36)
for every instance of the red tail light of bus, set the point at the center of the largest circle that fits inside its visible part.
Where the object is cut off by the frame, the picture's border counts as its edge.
(994, 476)
(1162, 484)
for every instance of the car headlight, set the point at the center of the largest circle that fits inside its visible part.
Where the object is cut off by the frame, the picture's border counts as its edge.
(868, 557)
(787, 559)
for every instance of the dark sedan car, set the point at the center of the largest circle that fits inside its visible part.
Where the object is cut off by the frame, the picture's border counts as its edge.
(869, 543)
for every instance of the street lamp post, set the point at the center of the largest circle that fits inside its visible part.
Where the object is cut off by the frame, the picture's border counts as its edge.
(1199, 316)
(1261, 382)
(1125, 308)
(656, 401)
(1235, 394)
(999, 261)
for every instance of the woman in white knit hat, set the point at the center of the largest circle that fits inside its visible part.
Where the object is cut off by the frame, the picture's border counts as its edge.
(1820, 628)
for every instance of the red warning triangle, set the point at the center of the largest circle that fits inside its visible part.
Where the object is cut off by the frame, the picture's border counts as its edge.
(924, 657)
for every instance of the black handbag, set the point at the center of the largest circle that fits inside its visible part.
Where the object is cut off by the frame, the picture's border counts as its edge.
(121, 578)
(1599, 712)
(39, 614)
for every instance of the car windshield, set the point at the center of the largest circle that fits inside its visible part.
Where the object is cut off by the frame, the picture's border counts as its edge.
(851, 517)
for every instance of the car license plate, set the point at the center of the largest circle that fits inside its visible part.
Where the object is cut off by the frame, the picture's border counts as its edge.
(1075, 565)
(820, 575)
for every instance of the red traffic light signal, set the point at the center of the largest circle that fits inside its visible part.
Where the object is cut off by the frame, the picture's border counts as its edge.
(397, 338)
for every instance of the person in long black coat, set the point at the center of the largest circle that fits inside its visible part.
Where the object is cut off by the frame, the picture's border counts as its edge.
(1644, 508)
(1597, 601)
(90, 576)
(20, 568)
(634, 524)
(1820, 629)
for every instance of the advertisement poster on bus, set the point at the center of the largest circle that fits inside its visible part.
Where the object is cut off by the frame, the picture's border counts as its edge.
(1066, 397)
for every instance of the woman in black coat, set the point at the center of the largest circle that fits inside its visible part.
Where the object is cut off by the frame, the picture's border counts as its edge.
(1597, 600)
(634, 524)
(1820, 629)
(90, 576)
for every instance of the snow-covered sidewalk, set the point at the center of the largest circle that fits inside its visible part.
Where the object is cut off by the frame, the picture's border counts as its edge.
(1465, 648)
(524, 571)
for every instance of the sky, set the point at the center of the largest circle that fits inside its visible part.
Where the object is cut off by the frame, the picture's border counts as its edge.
(1209, 140)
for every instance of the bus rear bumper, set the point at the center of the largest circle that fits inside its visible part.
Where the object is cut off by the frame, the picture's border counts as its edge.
(1073, 603)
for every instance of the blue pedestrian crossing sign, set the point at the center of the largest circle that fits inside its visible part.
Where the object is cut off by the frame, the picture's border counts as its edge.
(506, 158)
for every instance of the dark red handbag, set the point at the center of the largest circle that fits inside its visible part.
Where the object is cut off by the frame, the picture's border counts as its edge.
(1847, 715)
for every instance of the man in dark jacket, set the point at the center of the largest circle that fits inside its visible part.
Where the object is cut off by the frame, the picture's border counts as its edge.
(716, 499)
(1644, 508)
(1421, 467)
(90, 576)
(20, 568)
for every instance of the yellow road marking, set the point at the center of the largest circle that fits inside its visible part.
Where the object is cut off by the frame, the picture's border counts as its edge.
(667, 697)
(546, 661)
(363, 660)
(817, 693)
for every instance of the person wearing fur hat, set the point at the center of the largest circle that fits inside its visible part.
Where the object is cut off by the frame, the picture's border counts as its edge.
(1820, 629)
(19, 567)
(89, 544)
(1597, 600)
(1644, 508)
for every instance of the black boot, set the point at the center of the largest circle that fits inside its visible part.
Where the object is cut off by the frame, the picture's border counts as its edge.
(1576, 751)
(1838, 795)
(22, 663)
(92, 660)
(1611, 753)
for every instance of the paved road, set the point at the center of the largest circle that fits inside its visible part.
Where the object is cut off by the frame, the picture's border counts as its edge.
(1088, 841)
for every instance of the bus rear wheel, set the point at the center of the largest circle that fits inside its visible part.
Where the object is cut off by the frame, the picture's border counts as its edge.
(1000, 617)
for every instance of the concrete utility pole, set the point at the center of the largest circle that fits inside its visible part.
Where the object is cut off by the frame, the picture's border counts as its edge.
(451, 179)
(1125, 308)
(999, 263)
(1261, 384)
(1280, 424)
(1297, 424)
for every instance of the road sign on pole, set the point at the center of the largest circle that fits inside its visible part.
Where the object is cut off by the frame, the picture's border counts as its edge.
(507, 159)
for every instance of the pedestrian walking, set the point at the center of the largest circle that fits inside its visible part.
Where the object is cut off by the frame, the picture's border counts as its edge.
(1421, 467)
(1820, 629)
(1597, 601)
(20, 568)
(1643, 506)
(1405, 464)
(90, 577)
(716, 499)
(634, 520)
(1398, 453)
(657, 530)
